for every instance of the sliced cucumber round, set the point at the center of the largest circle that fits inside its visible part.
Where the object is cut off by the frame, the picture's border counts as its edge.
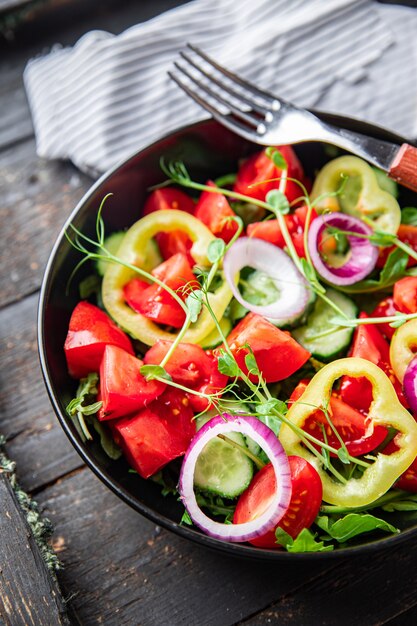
(221, 468)
(323, 340)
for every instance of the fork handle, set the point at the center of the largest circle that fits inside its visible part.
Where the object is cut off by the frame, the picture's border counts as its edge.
(403, 168)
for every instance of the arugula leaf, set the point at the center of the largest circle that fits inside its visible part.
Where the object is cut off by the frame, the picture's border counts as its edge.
(278, 201)
(407, 503)
(227, 365)
(186, 519)
(409, 215)
(106, 440)
(216, 250)
(394, 269)
(352, 524)
(305, 542)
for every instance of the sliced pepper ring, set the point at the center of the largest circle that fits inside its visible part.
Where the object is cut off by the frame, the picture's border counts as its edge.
(133, 251)
(403, 348)
(385, 409)
(371, 203)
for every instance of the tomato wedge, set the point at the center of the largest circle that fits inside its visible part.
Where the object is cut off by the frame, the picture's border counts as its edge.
(90, 331)
(190, 366)
(153, 301)
(307, 492)
(123, 389)
(405, 295)
(277, 354)
(407, 234)
(215, 212)
(254, 177)
(407, 480)
(349, 423)
(158, 434)
(385, 308)
(269, 230)
(175, 241)
(369, 344)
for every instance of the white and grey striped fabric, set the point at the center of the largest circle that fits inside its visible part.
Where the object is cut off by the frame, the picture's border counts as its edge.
(109, 95)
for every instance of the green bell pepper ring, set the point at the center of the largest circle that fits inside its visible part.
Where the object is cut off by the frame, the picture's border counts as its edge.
(134, 252)
(385, 409)
(403, 348)
(361, 196)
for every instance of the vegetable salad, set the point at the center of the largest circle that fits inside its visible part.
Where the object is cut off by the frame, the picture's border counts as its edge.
(249, 344)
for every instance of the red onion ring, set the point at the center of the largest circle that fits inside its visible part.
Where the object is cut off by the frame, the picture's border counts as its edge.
(363, 255)
(264, 437)
(410, 385)
(268, 258)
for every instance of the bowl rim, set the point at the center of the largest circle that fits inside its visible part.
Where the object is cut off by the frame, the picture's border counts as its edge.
(187, 532)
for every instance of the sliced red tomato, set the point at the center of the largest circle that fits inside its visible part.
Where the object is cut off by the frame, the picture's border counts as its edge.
(215, 212)
(407, 480)
(307, 493)
(254, 177)
(277, 354)
(123, 389)
(90, 331)
(175, 241)
(405, 294)
(157, 434)
(349, 423)
(369, 344)
(385, 308)
(407, 234)
(269, 230)
(153, 301)
(192, 367)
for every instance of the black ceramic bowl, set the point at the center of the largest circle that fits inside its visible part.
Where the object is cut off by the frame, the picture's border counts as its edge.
(208, 150)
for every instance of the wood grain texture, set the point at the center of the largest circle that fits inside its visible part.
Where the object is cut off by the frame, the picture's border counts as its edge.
(37, 442)
(121, 569)
(28, 594)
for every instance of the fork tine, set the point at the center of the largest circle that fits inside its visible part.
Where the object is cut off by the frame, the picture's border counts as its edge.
(263, 110)
(233, 125)
(249, 119)
(272, 100)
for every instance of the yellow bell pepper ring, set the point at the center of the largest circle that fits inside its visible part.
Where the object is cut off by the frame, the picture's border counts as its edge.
(403, 348)
(361, 196)
(385, 409)
(134, 251)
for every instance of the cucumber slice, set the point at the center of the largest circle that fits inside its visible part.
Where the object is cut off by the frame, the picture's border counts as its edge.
(221, 468)
(327, 346)
(113, 242)
(213, 339)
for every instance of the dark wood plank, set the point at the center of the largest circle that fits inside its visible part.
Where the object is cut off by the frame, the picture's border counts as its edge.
(121, 569)
(371, 590)
(37, 196)
(28, 593)
(38, 443)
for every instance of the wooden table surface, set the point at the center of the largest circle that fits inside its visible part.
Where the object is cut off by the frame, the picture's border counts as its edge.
(119, 568)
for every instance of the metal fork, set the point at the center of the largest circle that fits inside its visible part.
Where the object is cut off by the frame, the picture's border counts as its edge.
(265, 119)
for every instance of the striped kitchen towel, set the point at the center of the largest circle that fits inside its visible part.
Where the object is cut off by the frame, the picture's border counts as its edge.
(108, 96)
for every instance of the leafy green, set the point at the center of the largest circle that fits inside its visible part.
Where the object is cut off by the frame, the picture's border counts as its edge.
(186, 519)
(106, 440)
(277, 158)
(408, 502)
(216, 250)
(394, 269)
(194, 304)
(409, 215)
(305, 542)
(352, 524)
(154, 371)
(83, 405)
(227, 365)
(278, 201)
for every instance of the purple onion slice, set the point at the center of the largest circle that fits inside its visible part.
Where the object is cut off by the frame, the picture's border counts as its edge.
(361, 259)
(264, 437)
(410, 385)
